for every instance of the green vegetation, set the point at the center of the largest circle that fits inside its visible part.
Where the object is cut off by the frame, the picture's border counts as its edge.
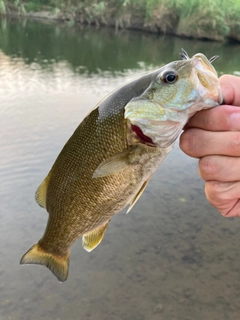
(205, 19)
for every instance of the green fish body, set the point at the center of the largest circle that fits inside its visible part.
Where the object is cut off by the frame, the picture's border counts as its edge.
(110, 158)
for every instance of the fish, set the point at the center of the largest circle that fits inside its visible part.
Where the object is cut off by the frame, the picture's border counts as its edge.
(110, 158)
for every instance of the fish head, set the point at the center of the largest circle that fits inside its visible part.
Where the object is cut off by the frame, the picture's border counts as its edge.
(175, 93)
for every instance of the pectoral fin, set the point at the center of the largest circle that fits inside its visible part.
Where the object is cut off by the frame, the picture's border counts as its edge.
(113, 164)
(138, 195)
(91, 240)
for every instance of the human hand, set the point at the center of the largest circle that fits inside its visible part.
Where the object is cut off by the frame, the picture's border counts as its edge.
(214, 136)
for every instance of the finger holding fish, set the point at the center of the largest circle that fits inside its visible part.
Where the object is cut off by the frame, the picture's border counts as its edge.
(222, 118)
(198, 143)
(224, 196)
(219, 168)
(214, 136)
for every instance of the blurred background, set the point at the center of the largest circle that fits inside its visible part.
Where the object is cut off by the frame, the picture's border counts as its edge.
(173, 256)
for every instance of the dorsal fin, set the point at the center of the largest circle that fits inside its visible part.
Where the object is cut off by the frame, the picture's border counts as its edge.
(41, 193)
(92, 239)
(138, 195)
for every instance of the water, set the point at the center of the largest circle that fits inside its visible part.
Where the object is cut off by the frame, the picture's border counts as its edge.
(173, 256)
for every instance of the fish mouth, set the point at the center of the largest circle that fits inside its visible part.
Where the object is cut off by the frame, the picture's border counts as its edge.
(209, 87)
(141, 136)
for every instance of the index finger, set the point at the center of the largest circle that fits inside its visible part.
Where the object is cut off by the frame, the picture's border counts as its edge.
(220, 118)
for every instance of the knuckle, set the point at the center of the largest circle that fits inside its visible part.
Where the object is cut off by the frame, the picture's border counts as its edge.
(235, 143)
(187, 142)
(208, 167)
(223, 191)
(216, 191)
(184, 141)
(206, 118)
(222, 197)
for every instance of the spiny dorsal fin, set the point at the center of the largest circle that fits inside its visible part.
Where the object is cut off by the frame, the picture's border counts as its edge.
(57, 264)
(92, 239)
(138, 195)
(41, 193)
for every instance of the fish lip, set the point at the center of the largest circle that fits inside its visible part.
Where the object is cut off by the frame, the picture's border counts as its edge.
(209, 87)
(213, 99)
(201, 63)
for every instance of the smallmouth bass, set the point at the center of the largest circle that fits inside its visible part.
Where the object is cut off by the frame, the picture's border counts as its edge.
(110, 158)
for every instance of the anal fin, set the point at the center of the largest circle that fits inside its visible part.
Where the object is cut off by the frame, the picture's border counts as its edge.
(138, 195)
(91, 240)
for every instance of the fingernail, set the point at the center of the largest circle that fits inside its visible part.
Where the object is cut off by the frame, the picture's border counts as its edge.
(234, 121)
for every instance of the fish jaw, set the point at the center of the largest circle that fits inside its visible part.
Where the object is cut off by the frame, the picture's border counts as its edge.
(205, 79)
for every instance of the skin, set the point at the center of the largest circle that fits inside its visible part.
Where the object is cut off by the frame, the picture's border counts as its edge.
(213, 136)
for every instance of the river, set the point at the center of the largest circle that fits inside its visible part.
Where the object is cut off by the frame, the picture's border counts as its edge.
(173, 257)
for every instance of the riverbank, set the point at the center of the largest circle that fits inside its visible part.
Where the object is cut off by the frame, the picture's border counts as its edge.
(200, 19)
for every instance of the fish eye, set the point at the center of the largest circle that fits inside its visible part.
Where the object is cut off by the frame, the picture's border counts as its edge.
(169, 76)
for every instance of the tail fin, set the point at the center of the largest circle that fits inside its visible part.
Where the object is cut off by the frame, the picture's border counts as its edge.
(57, 264)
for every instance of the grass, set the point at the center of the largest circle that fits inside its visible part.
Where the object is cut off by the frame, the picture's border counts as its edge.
(213, 20)
(2, 7)
(233, 14)
(203, 19)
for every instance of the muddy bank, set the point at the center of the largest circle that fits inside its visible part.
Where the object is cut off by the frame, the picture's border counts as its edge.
(163, 19)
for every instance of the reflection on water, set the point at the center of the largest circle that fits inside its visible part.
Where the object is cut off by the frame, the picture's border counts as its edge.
(173, 256)
(92, 51)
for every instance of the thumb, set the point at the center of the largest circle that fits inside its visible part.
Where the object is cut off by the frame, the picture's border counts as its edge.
(230, 86)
